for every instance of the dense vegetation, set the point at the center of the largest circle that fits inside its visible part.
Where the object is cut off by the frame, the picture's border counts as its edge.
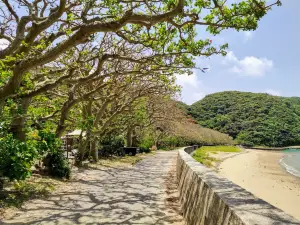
(251, 118)
(64, 66)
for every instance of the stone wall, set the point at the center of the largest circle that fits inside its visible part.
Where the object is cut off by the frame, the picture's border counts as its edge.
(209, 199)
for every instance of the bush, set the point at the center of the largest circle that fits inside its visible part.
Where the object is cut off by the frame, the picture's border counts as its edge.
(57, 164)
(145, 145)
(171, 142)
(55, 160)
(111, 145)
(48, 142)
(144, 149)
(16, 158)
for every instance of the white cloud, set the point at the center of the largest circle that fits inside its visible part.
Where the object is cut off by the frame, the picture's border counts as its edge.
(191, 88)
(3, 43)
(235, 69)
(230, 57)
(248, 66)
(188, 80)
(272, 92)
(248, 35)
(197, 96)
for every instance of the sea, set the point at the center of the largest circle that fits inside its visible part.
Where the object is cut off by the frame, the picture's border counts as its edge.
(291, 161)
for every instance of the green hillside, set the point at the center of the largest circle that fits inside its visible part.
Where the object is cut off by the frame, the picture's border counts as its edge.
(251, 118)
(186, 108)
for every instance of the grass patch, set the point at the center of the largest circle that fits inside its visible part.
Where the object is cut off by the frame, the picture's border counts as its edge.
(204, 158)
(202, 154)
(16, 193)
(216, 149)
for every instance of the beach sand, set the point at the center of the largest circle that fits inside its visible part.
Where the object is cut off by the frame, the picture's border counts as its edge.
(259, 172)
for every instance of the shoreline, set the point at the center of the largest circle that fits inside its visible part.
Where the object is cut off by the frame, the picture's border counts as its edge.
(290, 170)
(273, 148)
(259, 172)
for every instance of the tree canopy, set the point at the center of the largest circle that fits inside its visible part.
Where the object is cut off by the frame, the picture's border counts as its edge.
(105, 67)
(251, 118)
(39, 32)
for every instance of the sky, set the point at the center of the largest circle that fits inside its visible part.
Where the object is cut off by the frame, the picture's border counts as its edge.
(266, 60)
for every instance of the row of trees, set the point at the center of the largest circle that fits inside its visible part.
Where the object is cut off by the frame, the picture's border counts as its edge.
(173, 128)
(102, 66)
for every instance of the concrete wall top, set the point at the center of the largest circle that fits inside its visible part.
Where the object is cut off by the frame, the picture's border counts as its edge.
(238, 205)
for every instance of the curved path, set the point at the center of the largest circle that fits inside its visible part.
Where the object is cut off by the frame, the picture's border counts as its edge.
(142, 194)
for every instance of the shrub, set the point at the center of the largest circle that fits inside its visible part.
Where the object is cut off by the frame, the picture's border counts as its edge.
(55, 160)
(111, 145)
(145, 145)
(16, 158)
(57, 164)
(48, 142)
(144, 149)
(170, 142)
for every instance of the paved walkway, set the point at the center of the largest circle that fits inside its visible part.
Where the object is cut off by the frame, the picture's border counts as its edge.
(142, 194)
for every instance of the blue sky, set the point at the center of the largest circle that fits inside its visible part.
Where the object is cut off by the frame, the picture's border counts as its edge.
(266, 60)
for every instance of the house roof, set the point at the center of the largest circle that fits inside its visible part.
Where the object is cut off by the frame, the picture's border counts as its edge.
(76, 133)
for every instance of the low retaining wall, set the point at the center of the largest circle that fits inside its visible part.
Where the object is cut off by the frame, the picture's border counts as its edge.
(209, 199)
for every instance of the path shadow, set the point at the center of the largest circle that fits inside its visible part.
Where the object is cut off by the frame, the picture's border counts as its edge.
(134, 195)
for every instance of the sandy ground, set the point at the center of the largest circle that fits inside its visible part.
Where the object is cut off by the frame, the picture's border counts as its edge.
(260, 173)
(142, 194)
(220, 157)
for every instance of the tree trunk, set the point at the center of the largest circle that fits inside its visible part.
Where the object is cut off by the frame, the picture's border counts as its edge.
(129, 136)
(157, 139)
(94, 150)
(17, 126)
(84, 144)
(60, 129)
(81, 151)
(65, 113)
(63, 117)
(134, 138)
(13, 84)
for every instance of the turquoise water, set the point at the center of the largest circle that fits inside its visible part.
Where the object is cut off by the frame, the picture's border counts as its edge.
(291, 161)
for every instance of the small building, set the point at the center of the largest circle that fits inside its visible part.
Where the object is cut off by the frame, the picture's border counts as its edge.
(71, 141)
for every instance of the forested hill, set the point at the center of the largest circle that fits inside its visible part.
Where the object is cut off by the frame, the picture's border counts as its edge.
(251, 118)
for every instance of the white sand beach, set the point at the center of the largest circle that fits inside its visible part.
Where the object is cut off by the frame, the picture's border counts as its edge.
(260, 173)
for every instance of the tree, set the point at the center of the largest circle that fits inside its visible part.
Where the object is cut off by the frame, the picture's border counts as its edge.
(250, 118)
(106, 66)
(49, 29)
(158, 121)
